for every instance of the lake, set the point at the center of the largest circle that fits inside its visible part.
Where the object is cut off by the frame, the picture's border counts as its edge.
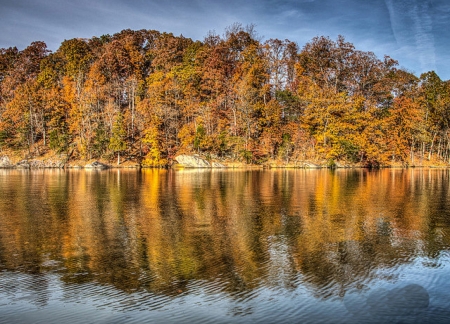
(225, 246)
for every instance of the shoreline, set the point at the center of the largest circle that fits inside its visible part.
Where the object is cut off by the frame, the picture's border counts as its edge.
(32, 165)
(194, 161)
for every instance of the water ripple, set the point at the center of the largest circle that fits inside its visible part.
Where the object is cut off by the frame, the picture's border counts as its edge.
(212, 247)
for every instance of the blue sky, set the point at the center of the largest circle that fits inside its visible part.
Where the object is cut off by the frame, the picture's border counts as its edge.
(414, 32)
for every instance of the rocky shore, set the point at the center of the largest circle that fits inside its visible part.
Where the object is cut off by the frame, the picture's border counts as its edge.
(6, 163)
(195, 161)
(180, 161)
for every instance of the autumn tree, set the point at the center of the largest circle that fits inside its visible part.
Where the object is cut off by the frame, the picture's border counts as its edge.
(152, 95)
(117, 142)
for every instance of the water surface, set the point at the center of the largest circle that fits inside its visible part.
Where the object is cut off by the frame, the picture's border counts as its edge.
(223, 246)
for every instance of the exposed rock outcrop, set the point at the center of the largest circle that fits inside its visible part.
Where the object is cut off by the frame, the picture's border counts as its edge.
(5, 162)
(40, 164)
(340, 165)
(310, 165)
(96, 165)
(24, 164)
(217, 165)
(194, 161)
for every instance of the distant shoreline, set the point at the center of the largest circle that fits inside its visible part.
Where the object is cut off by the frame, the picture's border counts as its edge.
(7, 162)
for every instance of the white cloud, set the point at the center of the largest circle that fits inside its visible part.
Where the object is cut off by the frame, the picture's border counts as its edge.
(412, 27)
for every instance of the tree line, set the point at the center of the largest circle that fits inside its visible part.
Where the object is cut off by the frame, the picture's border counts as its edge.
(148, 96)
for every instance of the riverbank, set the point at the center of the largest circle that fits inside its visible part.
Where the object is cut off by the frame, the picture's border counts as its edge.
(50, 160)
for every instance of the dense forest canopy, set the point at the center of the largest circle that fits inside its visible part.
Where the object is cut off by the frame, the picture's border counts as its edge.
(149, 96)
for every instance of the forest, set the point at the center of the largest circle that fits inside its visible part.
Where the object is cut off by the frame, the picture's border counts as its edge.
(148, 96)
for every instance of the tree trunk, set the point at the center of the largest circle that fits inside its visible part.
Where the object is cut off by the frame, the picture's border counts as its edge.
(439, 148)
(31, 143)
(412, 153)
(431, 148)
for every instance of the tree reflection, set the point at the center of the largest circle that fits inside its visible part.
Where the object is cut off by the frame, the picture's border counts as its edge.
(161, 231)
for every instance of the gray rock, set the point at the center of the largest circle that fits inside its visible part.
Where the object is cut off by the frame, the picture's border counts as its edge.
(41, 164)
(217, 165)
(54, 164)
(341, 165)
(310, 165)
(192, 161)
(5, 162)
(96, 165)
(24, 164)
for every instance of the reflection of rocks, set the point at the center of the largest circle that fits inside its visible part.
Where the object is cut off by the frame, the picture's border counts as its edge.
(194, 161)
(5, 162)
(96, 165)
